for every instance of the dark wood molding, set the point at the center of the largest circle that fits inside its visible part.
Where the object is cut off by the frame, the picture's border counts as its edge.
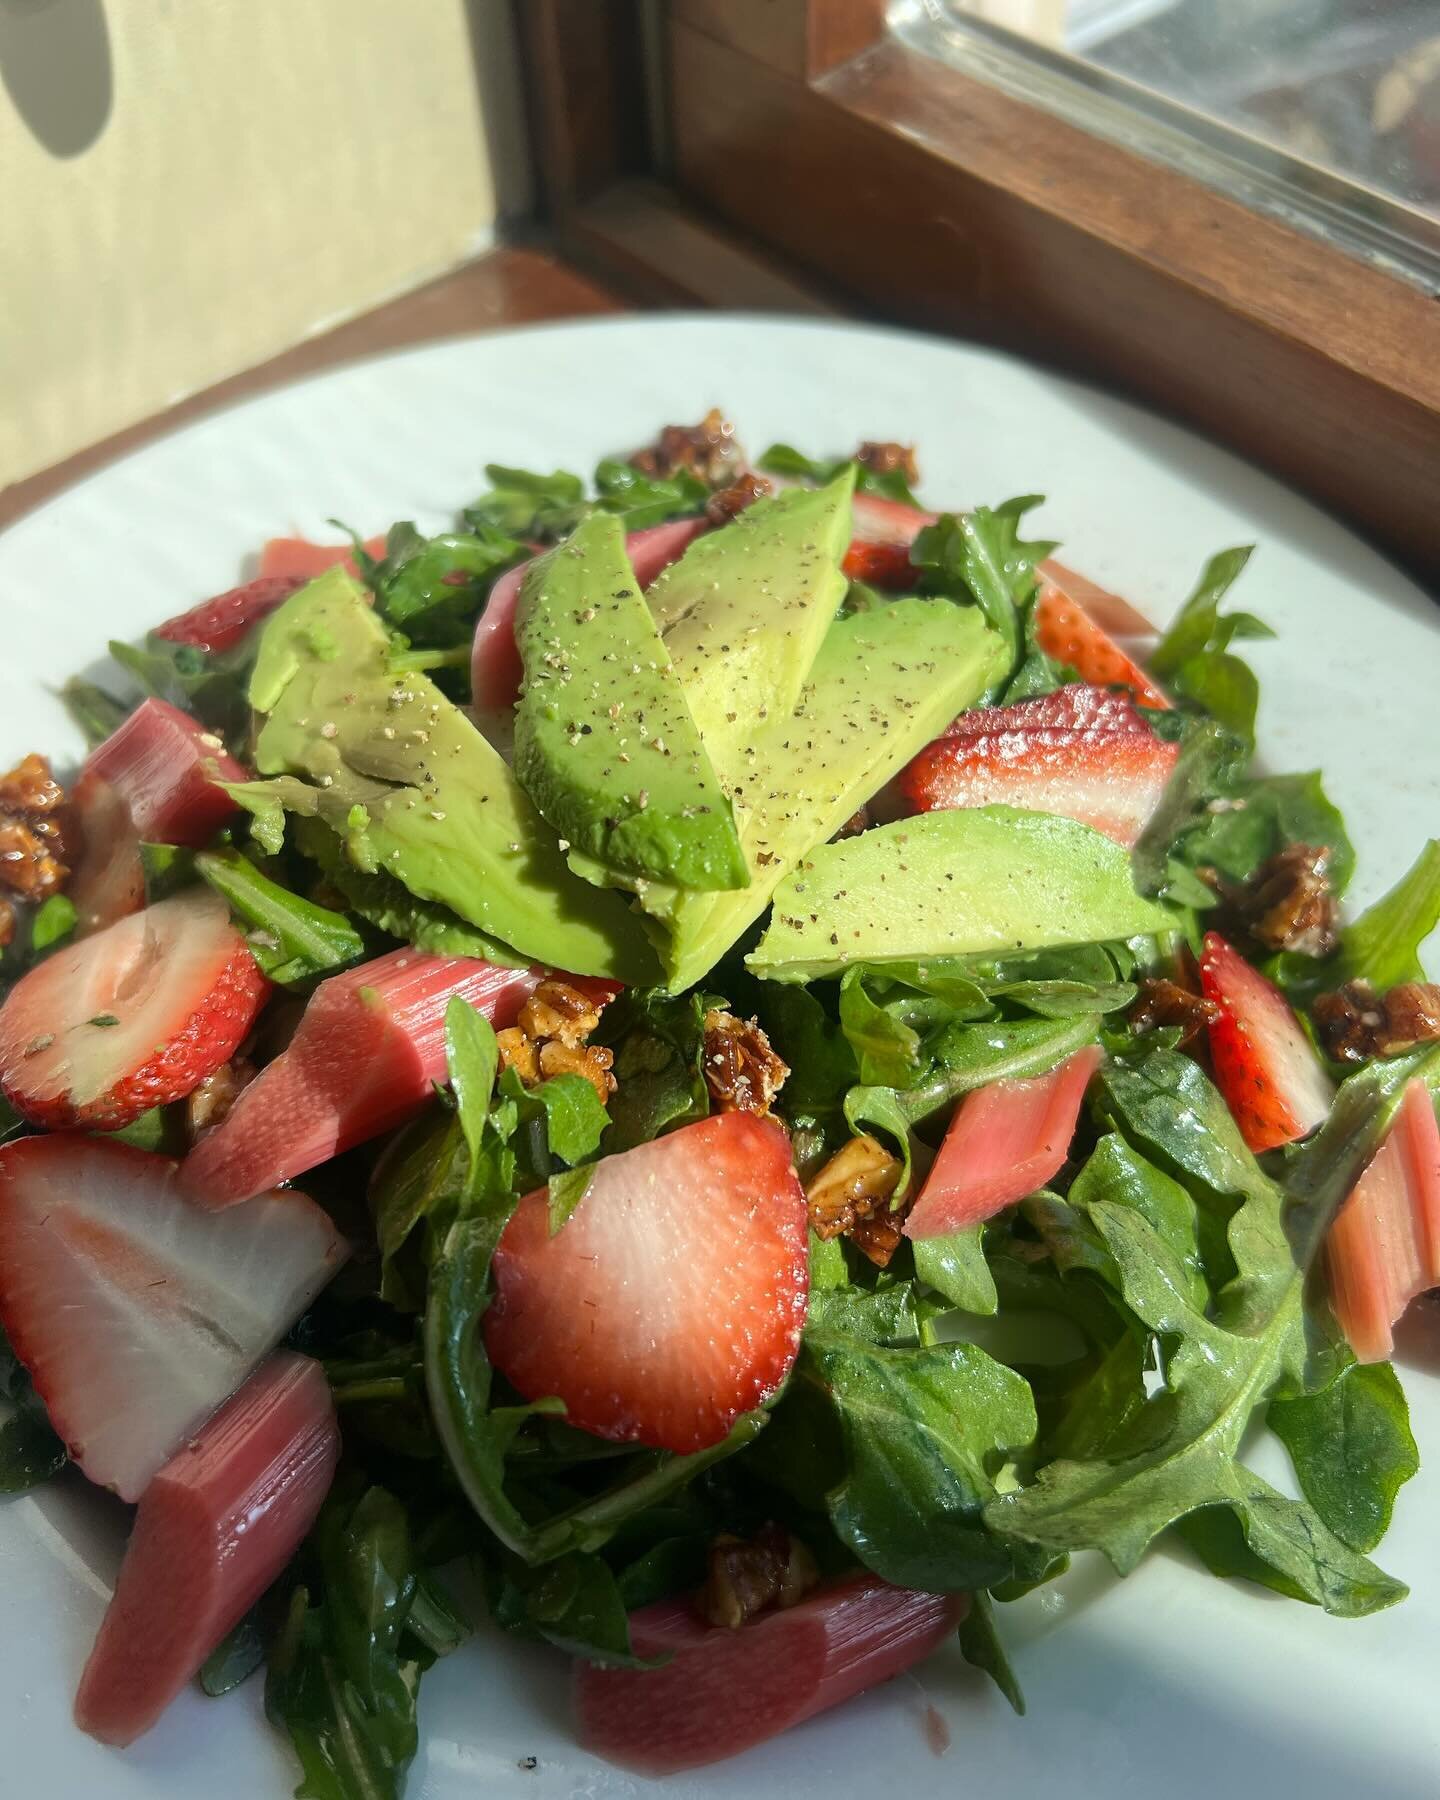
(931, 198)
(803, 38)
(586, 85)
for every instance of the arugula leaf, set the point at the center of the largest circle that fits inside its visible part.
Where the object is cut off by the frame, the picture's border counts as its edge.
(295, 942)
(212, 686)
(659, 1083)
(53, 922)
(1382, 946)
(93, 710)
(574, 1603)
(956, 1268)
(980, 556)
(30, 1451)
(235, 1658)
(434, 588)
(574, 1115)
(162, 1128)
(523, 504)
(472, 1059)
(981, 1647)
(1198, 627)
(1252, 820)
(644, 500)
(786, 460)
(1352, 1449)
(1117, 1173)
(926, 1432)
(419, 1180)
(887, 1049)
(566, 1191)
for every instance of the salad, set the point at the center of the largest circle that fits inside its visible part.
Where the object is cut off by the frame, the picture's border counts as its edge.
(714, 1068)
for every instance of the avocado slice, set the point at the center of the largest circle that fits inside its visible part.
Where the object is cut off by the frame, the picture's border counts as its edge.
(403, 777)
(989, 878)
(604, 742)
(883, 685)
(745, 610)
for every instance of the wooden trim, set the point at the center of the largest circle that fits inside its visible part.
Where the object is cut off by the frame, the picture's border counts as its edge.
(587, 88)
(804, 38)
(936, 199)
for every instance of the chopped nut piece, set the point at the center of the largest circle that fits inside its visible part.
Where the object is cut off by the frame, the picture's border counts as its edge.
(589, 1060)
(745, 1576)
(1287, 904)
(1165, 1002)
(885, 459)
(28, 867)
(30, 790)
(742, 1071)
(851, 1185)
(707, 450)
(519, 1053)
(744, 491)
(1355, 1023)
(858, 821)
(877, 1237)
(7, 923)
(557, 1010)
(209, 1104)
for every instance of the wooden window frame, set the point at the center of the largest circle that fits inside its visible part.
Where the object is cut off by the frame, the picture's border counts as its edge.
(830, 161)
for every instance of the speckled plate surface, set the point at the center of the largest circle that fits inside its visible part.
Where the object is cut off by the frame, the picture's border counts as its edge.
(1169, 1683)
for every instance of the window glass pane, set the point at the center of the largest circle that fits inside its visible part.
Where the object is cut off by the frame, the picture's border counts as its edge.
(1325, 112)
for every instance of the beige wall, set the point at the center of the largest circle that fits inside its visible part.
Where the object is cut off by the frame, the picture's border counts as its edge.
(188, 186)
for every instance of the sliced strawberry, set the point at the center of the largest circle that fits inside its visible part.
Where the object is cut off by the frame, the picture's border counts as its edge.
(365, 1058)
(1384, 1247)
(1004, 1141)
(107, 881)
(672, 1299)
(886, 566)
(133, 1017)
(1110, 612)
(1264, 1065)
(299, 557)
(724, 1691)
(495, 668)
(1078, 706)
(879, 553)
(137, 1313)
(1066, 632)
(216, 1525)
(166, 767)
(1111, 780)
(221, 623)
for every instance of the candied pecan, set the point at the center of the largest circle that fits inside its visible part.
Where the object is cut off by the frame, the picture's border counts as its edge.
(707, 450)
(28, 867)
(743, 491)
(858, 821)
(877, 1237)
(742, 1071)
(885, 459)
(209, 1104)
(1165, 1002)
(557, 1010)
(852, 1185)
(746, 1575)
(7, 923)
(588, 1060)
(30, 790)
(1355, 1023)
(519, 1053)
(1287, 904)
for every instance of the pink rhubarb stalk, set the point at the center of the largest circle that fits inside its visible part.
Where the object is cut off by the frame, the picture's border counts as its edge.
(165, 766)
(495, 669)
(215, 1527)
(364, 1059)
(1384, 1246)
(1004, 1141)
(725, 1691)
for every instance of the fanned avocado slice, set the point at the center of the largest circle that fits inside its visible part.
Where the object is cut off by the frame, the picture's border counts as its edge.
(884, 684)
(604, 742)
(981, 879)
(402, 776)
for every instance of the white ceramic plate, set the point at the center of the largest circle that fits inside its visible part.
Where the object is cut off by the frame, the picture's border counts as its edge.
(1170, 1683)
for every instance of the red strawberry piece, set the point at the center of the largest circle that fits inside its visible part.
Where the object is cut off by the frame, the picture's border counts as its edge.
(299, 557)
(1384, 1246)
(1111, 780)
(495, 667)
(216, 1525)
(1004, 1141)
(1110, 612)
(1264, 1065)
(1078, 706)
(136, 1313)
(725, 1691)
(107, 880)
(167, 767)
(672, 1299)
(885, 566)
(1066, 632)
(133, 1017)
(221, 623)
(879, 553)
(365, 1058)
